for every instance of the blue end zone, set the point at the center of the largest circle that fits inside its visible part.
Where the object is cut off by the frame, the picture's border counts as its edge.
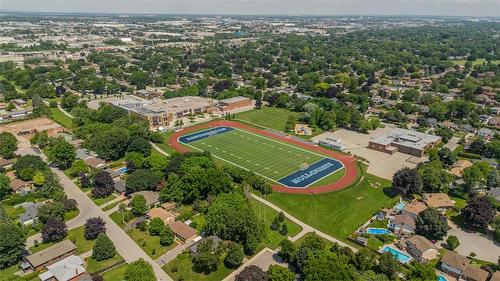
(204, 134)
(313, 173)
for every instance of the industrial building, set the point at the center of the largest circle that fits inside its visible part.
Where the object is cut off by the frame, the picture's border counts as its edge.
(405, 141)
(232, 104)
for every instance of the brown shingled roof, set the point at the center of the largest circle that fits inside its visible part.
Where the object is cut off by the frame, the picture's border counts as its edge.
(455, 260)
(46, 255)
(182, 230)
(475, 273)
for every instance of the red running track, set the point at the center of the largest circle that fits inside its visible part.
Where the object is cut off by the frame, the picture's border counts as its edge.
(349, 162)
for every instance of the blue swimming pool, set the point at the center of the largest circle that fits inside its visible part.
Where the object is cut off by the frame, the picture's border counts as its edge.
(402, 258)
(377, 231)
(122, 170)
(441, 278)
(400, 206)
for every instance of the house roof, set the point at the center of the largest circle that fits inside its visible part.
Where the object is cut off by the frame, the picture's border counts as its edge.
(475, 273)
(95, 162)
(6, 162)
(150, 196)
(51, 253)
(438, 200)
(168, 205)
(30, 211)
(15, 182)
(415, 207)
(495, 276)
(64, 270)
(404, 219)
(455, 260)
(120, 185)
(182, 230)
(420, 243)
(161, 213)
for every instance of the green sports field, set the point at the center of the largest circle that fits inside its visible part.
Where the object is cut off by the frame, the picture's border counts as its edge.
(266, 157)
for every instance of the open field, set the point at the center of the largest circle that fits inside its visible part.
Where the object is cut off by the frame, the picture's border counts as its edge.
(269, 117)
(341, 212)
(476, 62)
(61, 118)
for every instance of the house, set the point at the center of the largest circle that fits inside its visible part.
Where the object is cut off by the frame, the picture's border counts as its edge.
(440, 201)
(494, 121)
(166, 216)
(467, 128)
(362, 240)
(70, 268)
(83, 154)
(494, 192)
(449, 125)
(216, 241)
(454, 264)
(6, 163)
(18, 185)
(474, 273)
(95, 162)
(152, 198)
(403, 224)
(495, 276)
(120, 185)
(302, 130)
(433, 122)
(183, 231)
(486, 133)
(51, 255)
(414, 208)
(459, 166)
(421, 248)
(30, 213)
(169, 206)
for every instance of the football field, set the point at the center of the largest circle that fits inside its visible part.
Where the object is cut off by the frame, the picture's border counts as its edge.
(275, 160)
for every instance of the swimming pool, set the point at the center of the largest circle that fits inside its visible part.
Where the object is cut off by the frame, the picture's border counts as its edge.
(122, 170)
(400, 206)
(377, 231)
(441, 278)
(402, 258)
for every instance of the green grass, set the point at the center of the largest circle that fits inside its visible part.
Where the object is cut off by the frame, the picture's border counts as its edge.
(379, 223)
(71, 214)
(115, 274)
(269, 158)
(374, 243)
(118, 217)
(269, 117)
(61, 118)
(94, 265)
(181, 268)
(75, 235)
(111, 206)
(476, 62)
(100, 201)
(8, 274)
(341, 212)
(149, 244)
(267, 215)
(333, 177)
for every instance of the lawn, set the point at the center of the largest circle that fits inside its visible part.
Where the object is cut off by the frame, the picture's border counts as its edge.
(181, 268)
(150, 244)
(8, 274)
(476, 62)
(333, 177)
(61, 118)
(95, 266)
(120, 218)
(100, 201)
(341, 212)
(267, 215)
(267, 157)
(75, 235)
(115, 274)
(111, 206)
(71, 214)
(269, 117)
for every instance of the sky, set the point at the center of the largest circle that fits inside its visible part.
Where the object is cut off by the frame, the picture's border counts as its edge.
(263, 7)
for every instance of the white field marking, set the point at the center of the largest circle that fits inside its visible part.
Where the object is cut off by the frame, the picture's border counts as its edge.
(232, 163)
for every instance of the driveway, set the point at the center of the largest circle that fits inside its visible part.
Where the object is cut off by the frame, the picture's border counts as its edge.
(264, 259)
(483, 246)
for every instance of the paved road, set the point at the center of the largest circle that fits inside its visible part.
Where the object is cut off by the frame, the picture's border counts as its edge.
(305, 227)
(127, 248)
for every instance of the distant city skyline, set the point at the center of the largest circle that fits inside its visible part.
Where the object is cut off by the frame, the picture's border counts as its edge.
(476, 8)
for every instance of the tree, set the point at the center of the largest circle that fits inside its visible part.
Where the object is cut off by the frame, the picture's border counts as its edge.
(38, 178)
(205, 262)
(166, 237)
(279, 273)
(110, 144)
(493, 179)
(69, 101)
(139, 144)
(12, 243)
(445, 133)
(103, 185)
(365, 259)
(452, 242)
(234, 256)
(388, 265)
(139, 206)
(287, 250)
(27, 165)
(478, 213)
(139, 270)
(156, 227)
(54, 230)
(51, 210)
(252, 273)
(77, 168)
(51, 187)
(447, 157)
(421, 272)
(4, 186)
(8, 145)
(142, 180)
(93, 227)
(231, 217)
(325, 265)
(431, 224)
(407, 182)
(63, 154)
(103, 248)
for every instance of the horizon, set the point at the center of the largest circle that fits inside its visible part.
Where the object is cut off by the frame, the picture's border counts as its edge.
(444, 8)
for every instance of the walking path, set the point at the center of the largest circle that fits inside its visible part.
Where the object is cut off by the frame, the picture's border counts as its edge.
(159, 149)
(305, 227)
(64, 111)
